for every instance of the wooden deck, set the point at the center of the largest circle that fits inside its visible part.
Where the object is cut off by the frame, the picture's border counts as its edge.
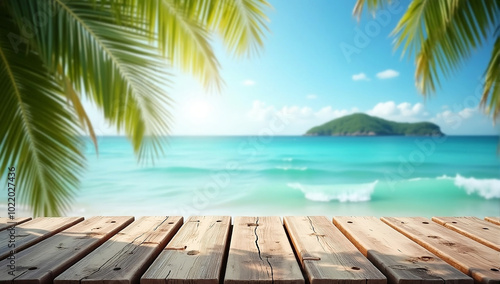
(219, 249)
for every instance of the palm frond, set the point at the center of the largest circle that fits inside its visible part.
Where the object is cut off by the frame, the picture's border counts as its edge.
(241, 23)
(111, 62)
(442, 35)
(185, 25)
(74, 99)
(491, 93)
(39, 137)
(371, 5)
(184, 40)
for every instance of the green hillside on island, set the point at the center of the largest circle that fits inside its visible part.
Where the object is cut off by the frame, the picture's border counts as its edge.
(360, 124)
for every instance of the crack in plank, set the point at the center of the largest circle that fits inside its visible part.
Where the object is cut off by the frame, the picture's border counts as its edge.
(315, 233)
(272, 272)
(257, 237)
(258, 250)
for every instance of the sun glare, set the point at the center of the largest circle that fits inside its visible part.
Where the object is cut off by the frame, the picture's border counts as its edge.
(199, 109)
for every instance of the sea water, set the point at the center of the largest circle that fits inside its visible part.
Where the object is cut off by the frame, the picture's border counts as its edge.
(257, 175)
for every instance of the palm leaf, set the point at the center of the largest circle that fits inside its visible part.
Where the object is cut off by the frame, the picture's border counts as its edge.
(241, 23)
(109, 61)
(492, 82)
(442, 35)
(39, 137)
(183, 30)
(76, 103)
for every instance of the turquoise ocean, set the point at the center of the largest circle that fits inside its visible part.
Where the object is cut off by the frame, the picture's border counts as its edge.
(265, 175)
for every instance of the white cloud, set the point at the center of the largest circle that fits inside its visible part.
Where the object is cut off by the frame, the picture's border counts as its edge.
(301, 118)
(402, 112)
(452, 118)
(467, 112)
(261, 111)
(311, 97)
(387, 74)
(360, 77)
(248, 82)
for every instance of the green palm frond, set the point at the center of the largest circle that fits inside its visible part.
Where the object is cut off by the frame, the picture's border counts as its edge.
(111, 52)
(184, 25)
(372, 5)
(241, 23)
(111, 62)
(181, 38)
(492, 82)
(74, 99)
(39, 136)
(442, 35)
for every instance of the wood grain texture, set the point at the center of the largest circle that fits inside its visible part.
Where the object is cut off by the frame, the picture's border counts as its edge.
(398, 257)
(32, 232)
(44, 261)
(6, 222)
(479, 230)
(478, 261)
(494, 220)
(326, 255)
(261, 253)
(195, 254)
(126, 256)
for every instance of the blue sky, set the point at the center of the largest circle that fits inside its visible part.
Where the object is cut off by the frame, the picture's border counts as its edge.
(319, 63)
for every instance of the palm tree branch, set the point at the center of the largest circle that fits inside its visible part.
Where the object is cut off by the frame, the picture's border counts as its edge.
(76, 103)
(491, 91)
(26, 122)
(38, 136)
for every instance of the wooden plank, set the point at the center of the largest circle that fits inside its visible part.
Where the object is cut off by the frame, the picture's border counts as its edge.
(195, 254)
(44, 261)
(260, 252)
(32, 232)
(6, 222)
(326, 255)
(478, 261)
(474, 228)
(494, 220)
(399, 258)
(127, 255)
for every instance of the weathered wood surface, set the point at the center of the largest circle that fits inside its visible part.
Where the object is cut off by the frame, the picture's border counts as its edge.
(494, 220)
(478, 261)
(6, 222)
(32, 232)
(327, 255)
(479, 230)
(399, 258)
(44, 261)
(195, 254)
(127, 255)
(260, 252)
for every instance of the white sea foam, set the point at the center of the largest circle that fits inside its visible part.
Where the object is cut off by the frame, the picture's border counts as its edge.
(287, 159)
(292, 168)
(341, 192)
(487, 188)
(444, 177)
(417, 179)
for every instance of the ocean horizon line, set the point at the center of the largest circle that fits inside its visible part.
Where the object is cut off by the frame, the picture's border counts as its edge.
(338, 136)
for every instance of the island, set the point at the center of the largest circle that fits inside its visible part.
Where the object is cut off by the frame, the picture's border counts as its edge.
(360, 124)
